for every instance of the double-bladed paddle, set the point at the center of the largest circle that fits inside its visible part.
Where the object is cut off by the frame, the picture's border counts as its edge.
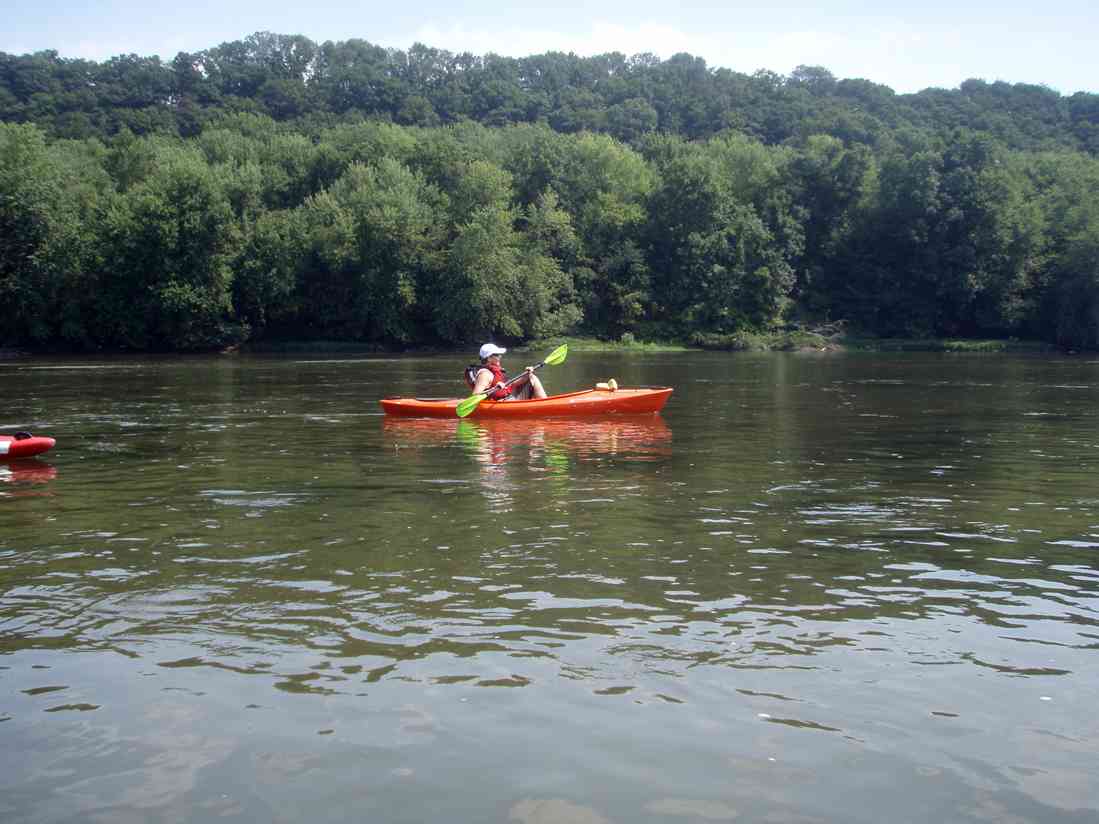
(554, 358)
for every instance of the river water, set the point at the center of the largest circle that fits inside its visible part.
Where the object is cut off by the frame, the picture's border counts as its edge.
(816, 588)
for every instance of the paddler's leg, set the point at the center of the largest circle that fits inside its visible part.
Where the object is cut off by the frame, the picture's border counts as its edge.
(519, 393)
(536, 390)
(528, 387)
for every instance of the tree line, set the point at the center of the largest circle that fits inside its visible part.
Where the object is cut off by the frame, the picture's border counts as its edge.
(185, 207)
(292, 78)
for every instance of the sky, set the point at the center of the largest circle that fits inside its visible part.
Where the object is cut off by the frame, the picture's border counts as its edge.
(907, 45)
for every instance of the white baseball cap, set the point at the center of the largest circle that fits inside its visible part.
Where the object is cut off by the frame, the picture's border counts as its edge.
(491, 349)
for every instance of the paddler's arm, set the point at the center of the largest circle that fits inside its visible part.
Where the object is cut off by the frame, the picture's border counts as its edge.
(525, 377)
(483, 382)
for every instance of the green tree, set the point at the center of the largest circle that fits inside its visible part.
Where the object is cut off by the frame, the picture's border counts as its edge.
(718, 266)
(1077, 281)
(1067, 294)
(534, 154)
(268, 268)
(550, 249)
(375, 240)
(501, 276)
(605, 187)
(169, 240)
(284, 99)
(952, 246)
(833, 187)
(480, 290)
(49, 200)
(631, 119)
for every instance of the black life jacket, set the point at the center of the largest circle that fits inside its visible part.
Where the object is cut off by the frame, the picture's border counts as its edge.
(470, 374)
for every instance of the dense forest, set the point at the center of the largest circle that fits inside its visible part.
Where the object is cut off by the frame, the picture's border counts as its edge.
(274, 188)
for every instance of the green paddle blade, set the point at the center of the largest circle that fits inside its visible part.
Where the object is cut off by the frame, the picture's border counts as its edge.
(557, 356)
(469, 404)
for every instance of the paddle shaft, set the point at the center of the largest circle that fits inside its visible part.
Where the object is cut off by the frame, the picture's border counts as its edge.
(469, 404)
(520, 376)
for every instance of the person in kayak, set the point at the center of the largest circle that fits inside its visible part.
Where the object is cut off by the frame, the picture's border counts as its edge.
(490, 373)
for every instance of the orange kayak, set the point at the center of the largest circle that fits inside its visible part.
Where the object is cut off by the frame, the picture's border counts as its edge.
(584, 402)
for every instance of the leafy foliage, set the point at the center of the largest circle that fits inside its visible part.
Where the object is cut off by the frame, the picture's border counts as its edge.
(276, 187)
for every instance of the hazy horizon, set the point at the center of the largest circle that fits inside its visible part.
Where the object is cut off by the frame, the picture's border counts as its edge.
(934, 46)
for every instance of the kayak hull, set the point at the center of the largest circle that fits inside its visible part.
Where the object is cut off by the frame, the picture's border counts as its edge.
(12, 447)
(585, 402)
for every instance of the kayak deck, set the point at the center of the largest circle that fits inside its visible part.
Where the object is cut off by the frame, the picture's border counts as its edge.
(584, 402)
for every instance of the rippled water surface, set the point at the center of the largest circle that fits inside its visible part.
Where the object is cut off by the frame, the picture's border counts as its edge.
(835, 588)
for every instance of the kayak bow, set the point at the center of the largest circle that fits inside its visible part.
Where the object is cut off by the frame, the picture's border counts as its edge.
(584, 402)
(23, 445)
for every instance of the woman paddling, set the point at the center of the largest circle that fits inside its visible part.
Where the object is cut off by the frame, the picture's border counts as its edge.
(490, 374)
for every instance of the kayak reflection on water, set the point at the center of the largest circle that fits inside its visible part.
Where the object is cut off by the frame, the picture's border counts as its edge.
(26, 471)
(496, 441)
(542, 445)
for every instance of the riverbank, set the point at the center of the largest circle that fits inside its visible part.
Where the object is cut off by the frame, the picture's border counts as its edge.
(802, 341)
(789, 341)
